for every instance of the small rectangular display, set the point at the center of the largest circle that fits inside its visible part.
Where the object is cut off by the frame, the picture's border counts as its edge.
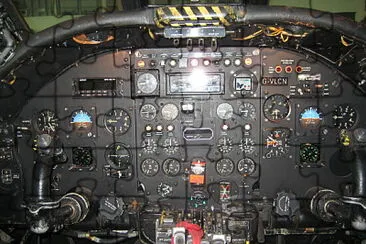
(243, 83)
(97, 84)
(195, 83)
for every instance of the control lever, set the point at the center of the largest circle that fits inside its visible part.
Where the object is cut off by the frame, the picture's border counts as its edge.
(44, 214)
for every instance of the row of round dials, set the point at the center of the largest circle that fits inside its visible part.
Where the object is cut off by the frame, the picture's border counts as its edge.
(116, 121)
(170, 167)
(245, 166)
(224, 111)
(277, 107)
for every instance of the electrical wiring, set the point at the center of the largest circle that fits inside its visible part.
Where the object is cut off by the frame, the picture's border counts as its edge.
(273, 31)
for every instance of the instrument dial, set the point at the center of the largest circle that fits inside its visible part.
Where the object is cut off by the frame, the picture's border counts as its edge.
(171, 167)
(247, 145)
(81, 121)
(225, 111)
(148, 112)
(149, 146)
(117, 121)
(169, 111)
(170, 145)
(344, 117)
(149, 167)
(225, 144)
(309, 153)
(247, 111)
(311, 118)
(82, 156)
(147, 83)
(246, 166)
(276, 108)
(46, 122)
(225, 167)
(118, 156)
(276, 142)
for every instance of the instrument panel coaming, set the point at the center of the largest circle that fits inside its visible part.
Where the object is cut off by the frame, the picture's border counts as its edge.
(213, 123)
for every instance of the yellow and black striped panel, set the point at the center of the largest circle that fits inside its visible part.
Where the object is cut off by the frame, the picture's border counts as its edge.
(194, 16)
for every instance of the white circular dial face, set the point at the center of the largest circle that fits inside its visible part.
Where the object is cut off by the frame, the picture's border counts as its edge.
(147, 83)
(169, 111)
(148, 112)
(225, 111)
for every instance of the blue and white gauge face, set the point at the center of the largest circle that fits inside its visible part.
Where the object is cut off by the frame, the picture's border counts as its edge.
(81, 121)
(311, 117)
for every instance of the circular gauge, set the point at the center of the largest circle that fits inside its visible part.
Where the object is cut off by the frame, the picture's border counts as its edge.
(311, 118)
(309, 153)
(276, 107)
(171, 167)
(148, 112)
(118, 156)
(147, 83)
(276, 142)
(247, 111)
(149, 167)
(46, 122)
(225, 167)
(81, 121)
(247, 145)
(82, 156)
(117, 121)
(246, 166)
(224, 144)
(225, 111)
(170, 145)
(344, 117)
(169, 111)
(149, 146)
